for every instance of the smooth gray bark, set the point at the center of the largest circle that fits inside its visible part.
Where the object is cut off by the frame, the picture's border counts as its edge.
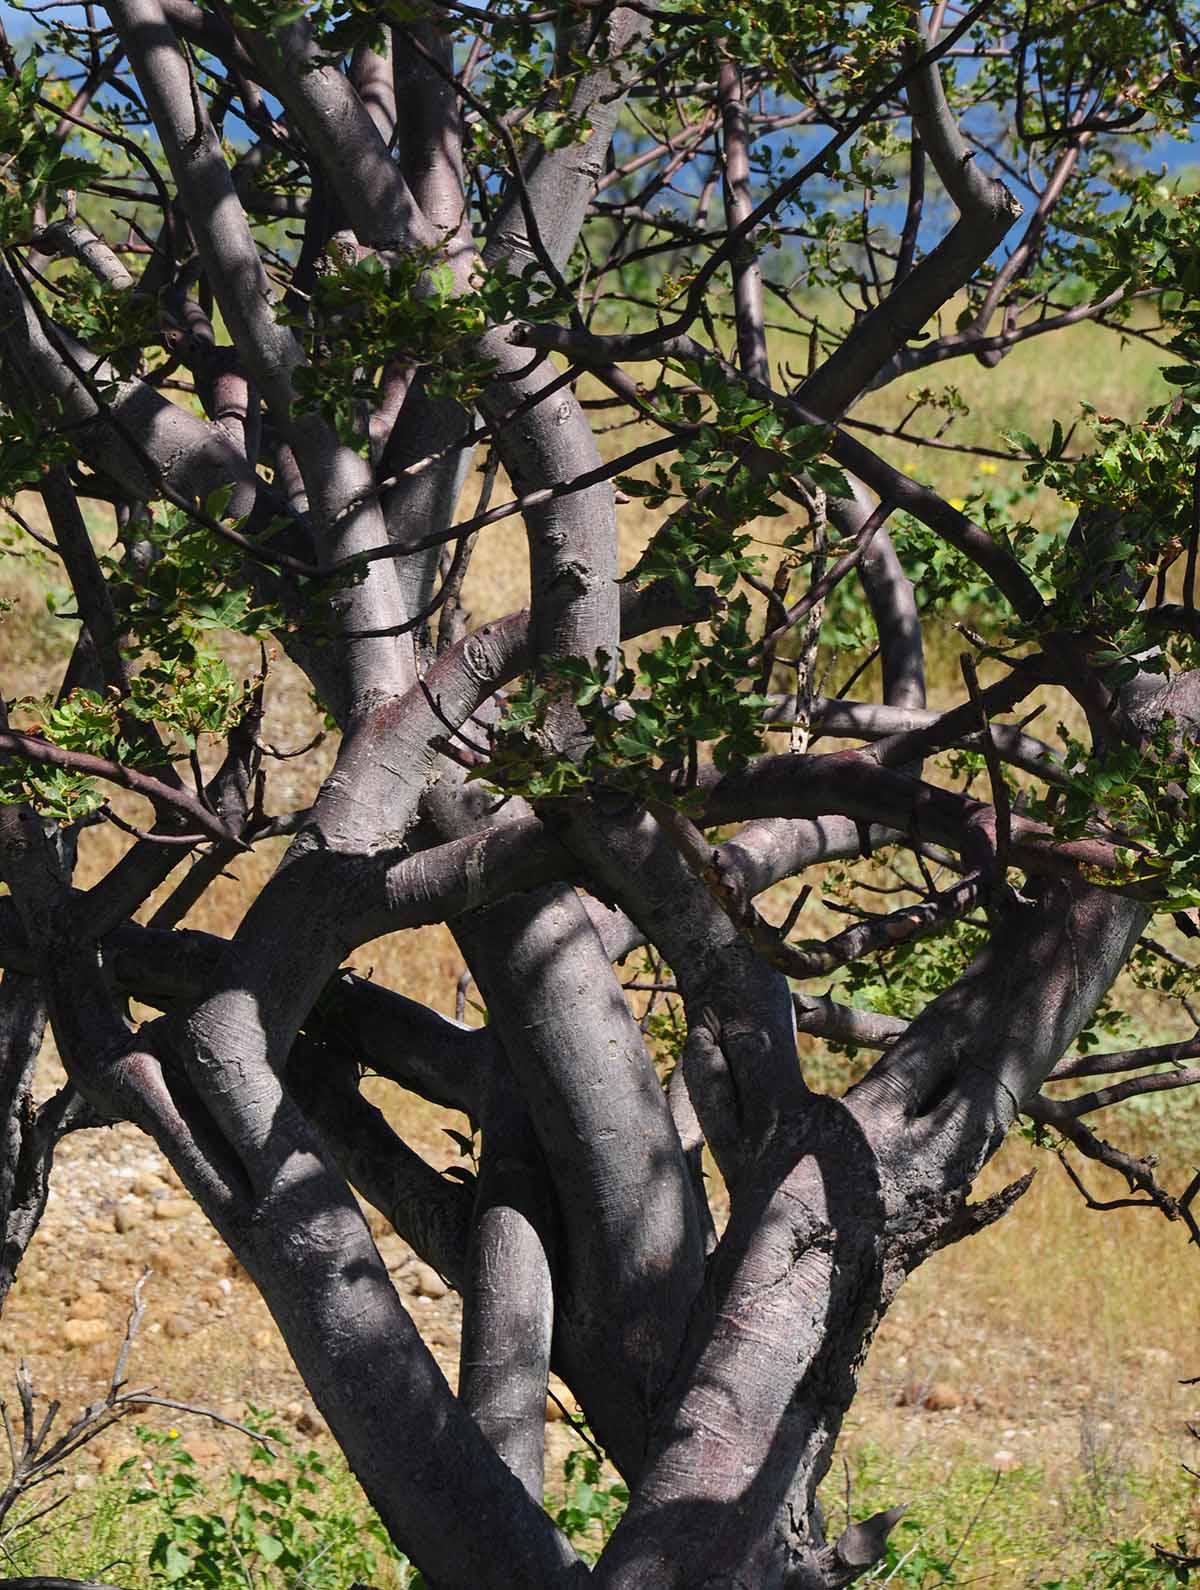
(717, 1373)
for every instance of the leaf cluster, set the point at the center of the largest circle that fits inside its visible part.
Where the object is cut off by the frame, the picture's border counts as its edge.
(366, 316)
(34, 165)
(1148, 797)
(644, 722)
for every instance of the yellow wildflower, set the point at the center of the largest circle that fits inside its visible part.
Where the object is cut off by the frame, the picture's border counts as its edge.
(987, 467)
(957, 502)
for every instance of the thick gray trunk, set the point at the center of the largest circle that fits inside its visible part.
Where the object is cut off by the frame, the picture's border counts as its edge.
(850, 1196)
(508, 1302)
(632, 1242)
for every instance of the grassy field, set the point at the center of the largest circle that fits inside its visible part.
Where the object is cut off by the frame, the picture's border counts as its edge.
(1024, 1395)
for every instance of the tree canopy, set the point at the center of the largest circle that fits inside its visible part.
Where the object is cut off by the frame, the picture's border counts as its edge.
(296, 303)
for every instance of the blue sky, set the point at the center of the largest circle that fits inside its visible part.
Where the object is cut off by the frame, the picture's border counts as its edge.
(1174, 155)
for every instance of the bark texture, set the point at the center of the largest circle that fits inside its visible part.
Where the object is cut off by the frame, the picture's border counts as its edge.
(361, 259)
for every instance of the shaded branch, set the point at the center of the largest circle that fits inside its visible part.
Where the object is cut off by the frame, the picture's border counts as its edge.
(1147, 1192)
(1098, 1065)
(430, 1211)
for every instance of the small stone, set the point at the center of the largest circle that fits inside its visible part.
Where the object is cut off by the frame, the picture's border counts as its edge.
(302, 1417)
(941, 1397)
(125, 1217)
(84, 1332)
(172, 1208)
(202, 1449)
(145, 1184)
(165, 1260)
(179, 1326)
(261, 1340)
(428, 1282)
(116, 1284)
(394, 1253)
(92, 1305)
(1004, 1461)
(560, 1406)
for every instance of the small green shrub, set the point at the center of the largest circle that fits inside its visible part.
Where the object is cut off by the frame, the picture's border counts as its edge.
(592, 1503)
(282, 1522)
(969, 1524)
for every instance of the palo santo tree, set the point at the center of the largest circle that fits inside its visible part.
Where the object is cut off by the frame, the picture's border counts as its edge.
(275, 280)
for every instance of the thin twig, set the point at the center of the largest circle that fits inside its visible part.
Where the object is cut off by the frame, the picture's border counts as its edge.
(1001, 802)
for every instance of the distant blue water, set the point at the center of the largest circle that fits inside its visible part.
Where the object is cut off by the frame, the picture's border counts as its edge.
(1170, 154)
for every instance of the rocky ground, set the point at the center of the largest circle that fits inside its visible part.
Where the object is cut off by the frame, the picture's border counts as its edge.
(117, 1211)
(1035, 1355)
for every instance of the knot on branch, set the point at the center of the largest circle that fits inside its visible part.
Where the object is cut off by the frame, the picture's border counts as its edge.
(969, 1219)
(858, 1547)
(927, 1226)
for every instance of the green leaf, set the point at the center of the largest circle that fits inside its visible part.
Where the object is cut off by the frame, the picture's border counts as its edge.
(269, 1547)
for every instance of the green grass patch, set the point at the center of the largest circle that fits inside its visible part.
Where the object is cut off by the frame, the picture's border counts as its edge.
(969, 1523)
(288, 1517)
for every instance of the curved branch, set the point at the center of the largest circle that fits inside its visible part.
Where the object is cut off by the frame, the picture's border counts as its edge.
(340, 484)
(962, 1070)
(888, 483)
(632, 1239)
(846, 783)
(174, 448)
(869, 720)
(742, 1070)
(430, 1211)
(321, 103)
(215, 216)
(28, 748)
